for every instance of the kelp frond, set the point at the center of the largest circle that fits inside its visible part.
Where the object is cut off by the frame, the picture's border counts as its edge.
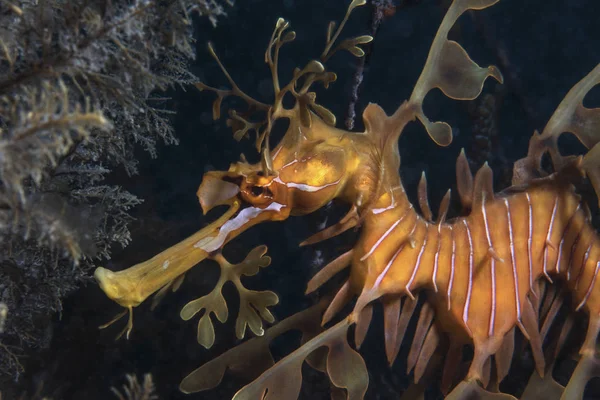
(253, 304)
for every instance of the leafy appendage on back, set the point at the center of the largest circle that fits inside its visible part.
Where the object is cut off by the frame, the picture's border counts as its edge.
(450, 69)
(570, 116)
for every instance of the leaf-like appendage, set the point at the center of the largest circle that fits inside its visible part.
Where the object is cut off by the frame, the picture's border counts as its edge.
(253, 357)
(542, 388)
(351, 44)
(472, 390)
(253, 305)
(253, 310)
(570, 116)
(587, 369)
(449, 68)
(345, 367)
(214, 302)
(284, 383)
(254, 261)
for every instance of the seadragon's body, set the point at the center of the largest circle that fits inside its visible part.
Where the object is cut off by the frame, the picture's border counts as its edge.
(480, 270)
(483, 274)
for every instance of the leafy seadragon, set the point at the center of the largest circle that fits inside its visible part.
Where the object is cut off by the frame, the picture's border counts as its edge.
(507, 265)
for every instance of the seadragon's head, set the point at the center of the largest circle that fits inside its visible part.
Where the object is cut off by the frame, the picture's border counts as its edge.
(309, 168)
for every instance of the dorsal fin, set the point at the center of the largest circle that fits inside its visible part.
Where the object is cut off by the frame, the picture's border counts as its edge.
(430, 345)
(425, 319)
(483, 187)
(530, 329)
(408, 309)
(449, 372)
(464, 181)
(391, 316)
(504, 356)
(342, 297)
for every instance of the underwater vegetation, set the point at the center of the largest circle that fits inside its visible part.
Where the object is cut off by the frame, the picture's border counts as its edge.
(80, 88)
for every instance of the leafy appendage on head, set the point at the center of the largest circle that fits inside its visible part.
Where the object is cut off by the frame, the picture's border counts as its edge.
(253, 305)
(299, 86)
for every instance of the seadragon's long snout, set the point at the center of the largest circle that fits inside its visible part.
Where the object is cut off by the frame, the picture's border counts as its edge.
(132, 286)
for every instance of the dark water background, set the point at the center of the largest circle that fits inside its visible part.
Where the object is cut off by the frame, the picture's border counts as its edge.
(543, 48)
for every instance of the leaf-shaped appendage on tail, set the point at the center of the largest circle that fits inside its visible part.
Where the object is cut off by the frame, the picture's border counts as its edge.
(570, 116)
(450, 69)
(253, 305)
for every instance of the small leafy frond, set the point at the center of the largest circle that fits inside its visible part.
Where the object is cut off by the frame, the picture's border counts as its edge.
(348, 44)
(253, 305)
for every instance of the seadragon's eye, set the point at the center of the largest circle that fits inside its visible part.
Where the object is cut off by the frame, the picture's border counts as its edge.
(257, 190)
(256, 194)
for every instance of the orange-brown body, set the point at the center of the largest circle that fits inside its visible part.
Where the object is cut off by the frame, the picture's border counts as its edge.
(482, 268)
